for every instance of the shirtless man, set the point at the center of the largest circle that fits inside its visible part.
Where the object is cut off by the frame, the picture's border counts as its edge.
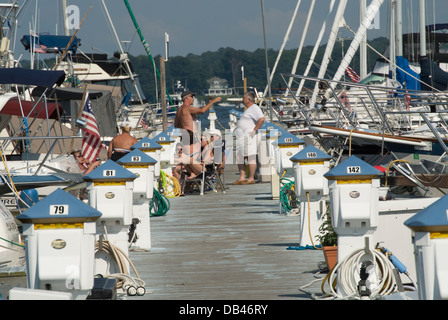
(185, 117)
(121, 144)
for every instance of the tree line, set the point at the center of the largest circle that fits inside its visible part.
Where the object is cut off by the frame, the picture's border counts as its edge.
(194, 70)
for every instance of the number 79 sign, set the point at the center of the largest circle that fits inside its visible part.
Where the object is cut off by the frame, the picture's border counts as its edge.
(58, 210)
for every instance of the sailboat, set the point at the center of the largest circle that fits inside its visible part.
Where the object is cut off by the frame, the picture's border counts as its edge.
(114, 76)
(386, 116)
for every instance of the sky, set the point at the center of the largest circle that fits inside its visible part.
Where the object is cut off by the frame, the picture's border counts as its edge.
(197, 26)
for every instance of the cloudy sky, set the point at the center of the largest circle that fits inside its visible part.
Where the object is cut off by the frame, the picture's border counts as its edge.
(197, 26)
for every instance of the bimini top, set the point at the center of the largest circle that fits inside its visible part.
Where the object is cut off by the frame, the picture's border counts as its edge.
(433, 218)
(43, 78)
(310, 154)
(59, 207)
(353, 169)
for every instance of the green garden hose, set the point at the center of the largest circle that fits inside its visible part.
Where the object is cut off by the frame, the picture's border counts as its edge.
(285, 198)
(159, 205)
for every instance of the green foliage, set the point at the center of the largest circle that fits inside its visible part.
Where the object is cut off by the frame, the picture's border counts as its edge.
(327, 236)
(194, 70)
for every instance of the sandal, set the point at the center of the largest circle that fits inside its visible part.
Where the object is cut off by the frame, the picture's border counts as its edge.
(239, 182)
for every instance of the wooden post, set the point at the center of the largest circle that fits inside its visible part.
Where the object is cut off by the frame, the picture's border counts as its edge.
(163, 92)
(81, 106)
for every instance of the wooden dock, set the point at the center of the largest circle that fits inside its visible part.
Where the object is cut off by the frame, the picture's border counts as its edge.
(232, 246)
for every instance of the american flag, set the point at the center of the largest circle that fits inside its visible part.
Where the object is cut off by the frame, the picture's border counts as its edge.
(91, 143)
(352, 74)
(40, 48)
(143, 121)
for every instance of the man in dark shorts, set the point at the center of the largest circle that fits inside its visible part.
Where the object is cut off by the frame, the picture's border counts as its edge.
(185, 117)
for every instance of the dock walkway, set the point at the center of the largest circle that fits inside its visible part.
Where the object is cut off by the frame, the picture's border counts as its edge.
(232, 246)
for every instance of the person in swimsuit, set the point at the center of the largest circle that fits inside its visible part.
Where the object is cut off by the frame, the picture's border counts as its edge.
(184, 119)
(83, 164)
(121, 144)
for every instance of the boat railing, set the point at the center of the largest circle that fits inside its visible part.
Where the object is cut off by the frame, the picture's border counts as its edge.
(379, 107)
(53, 140)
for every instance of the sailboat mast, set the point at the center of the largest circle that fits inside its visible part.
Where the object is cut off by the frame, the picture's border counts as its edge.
(145, 44)
(370, 14)
(329, 48)
(315, 49)
(299, 51)
(126, 60)
(399, 27)
(285, 40)
(422, 27)
(64, 15)
(363, 46)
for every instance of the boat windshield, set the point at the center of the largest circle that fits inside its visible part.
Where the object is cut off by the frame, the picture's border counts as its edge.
(373, 79)
(128, 86)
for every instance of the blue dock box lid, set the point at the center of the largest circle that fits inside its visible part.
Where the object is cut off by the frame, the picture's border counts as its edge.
(173, 132)
(59, 207)
(136, 157)
(288, 139)
(433, 218)
(146, 144)
(275, 133)
(236, 113)
(163, 138)
(267, 126)
(110, 171)
(353, 168)
(310, 154)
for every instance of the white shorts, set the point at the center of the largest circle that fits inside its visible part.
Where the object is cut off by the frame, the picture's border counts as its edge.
(246, 145)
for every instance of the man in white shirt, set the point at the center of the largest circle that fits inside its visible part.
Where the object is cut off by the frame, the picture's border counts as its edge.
(247, 138)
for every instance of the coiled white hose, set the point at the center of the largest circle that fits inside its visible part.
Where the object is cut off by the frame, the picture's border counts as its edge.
(347, 270)
(124, 280)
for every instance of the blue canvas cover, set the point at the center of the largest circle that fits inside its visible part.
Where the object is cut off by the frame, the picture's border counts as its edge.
(43, 78)
(405, 79)
(51, 42)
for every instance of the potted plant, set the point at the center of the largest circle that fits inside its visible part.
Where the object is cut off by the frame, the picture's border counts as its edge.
(328, 239)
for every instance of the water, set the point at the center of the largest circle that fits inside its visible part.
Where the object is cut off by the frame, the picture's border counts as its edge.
(222, 113)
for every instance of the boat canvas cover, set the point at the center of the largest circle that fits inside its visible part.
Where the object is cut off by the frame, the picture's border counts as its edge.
(406, 76)
(14, 107)
(43, 78)
(432, 75)
(52, 43)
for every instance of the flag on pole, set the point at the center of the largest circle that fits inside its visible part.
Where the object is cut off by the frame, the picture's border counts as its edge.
(352, 74)
(143, 121)
(40, 48)
(91, 143)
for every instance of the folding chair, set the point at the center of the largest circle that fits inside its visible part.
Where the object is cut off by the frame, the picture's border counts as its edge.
(209, 176)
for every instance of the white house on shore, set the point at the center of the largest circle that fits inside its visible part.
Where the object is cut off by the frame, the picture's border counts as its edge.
(219, 87)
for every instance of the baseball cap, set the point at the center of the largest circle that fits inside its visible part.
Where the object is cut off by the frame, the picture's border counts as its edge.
(186, 93)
